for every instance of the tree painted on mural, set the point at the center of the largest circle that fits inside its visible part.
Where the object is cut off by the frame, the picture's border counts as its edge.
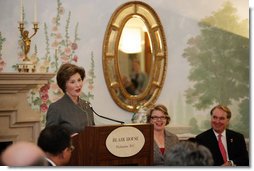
(60, 48)
(219, 60)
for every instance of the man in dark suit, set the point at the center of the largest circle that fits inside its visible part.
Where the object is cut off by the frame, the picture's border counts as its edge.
(234, 145)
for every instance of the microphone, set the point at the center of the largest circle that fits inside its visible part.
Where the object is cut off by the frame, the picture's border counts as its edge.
(121, 122)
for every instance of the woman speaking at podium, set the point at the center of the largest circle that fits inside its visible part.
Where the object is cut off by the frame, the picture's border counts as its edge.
(70, 111)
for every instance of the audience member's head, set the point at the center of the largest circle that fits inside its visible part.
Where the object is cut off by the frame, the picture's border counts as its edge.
(187, 153)
(23, 153)
(220, 117)
(55, 141)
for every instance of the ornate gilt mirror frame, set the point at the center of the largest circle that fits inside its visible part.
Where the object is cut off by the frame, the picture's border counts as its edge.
(157, 60)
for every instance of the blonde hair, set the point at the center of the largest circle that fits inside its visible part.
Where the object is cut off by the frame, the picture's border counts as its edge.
(161, 108)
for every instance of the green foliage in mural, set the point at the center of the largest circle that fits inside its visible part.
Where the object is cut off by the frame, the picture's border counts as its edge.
(219, 60)
(244, 121)
(194, 126)
(90, 81)
(2, 40)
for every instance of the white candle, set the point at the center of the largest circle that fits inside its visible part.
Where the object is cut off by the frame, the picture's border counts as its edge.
(21, 11)
(35, 11)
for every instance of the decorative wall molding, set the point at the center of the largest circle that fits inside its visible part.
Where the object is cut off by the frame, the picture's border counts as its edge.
(13, 130)
(17, 120)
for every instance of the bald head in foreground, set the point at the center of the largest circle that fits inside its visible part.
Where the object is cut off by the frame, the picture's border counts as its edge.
(23, 154)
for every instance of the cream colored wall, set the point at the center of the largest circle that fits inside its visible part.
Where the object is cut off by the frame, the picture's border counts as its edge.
(179, 19)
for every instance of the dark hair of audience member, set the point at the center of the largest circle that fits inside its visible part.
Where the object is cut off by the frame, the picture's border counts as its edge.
(187, 153)
(54, 139)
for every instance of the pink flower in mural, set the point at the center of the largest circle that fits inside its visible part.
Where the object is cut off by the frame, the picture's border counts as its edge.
(61, 10)
(45, 87)
(2, 64)
(58, 36)
(90, 87)
(43, 107)
(65, 58)
(54, 21)
(74, 46)
(44, 93)
(54, 29)
(44, 98)
(67, 51)
(54, 44)
(75, 58)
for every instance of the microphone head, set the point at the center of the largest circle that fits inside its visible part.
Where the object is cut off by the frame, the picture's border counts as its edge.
(91, 107)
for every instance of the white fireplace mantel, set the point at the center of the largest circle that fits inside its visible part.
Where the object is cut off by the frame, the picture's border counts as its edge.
(16, 82)
(17, 120)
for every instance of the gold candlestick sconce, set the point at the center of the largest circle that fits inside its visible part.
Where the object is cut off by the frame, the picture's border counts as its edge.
(27, 65)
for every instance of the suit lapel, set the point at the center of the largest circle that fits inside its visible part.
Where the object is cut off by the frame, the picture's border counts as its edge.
(230, 140)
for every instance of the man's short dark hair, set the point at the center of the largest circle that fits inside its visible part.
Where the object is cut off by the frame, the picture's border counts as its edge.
(54, 139)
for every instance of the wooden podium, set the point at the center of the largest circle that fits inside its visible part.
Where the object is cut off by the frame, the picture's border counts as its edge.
(91, 149)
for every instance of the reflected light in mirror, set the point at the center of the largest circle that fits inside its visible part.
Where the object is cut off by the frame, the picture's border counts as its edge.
(130, 41)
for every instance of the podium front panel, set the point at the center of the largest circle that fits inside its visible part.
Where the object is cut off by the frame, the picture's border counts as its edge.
(91, 149)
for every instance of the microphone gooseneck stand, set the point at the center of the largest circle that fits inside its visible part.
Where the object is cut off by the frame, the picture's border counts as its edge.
(121, 122)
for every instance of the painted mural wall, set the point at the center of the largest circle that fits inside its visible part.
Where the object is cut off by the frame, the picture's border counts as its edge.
(208, 55)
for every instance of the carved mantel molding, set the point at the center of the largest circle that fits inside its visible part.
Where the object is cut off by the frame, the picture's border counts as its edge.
(16, 82)
(17, 120)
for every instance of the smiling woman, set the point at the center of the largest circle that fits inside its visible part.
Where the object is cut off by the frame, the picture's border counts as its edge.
(134, 56)
(163, 139)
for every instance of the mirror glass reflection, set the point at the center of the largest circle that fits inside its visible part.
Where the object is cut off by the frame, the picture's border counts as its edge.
(135, 73)
(135, 56)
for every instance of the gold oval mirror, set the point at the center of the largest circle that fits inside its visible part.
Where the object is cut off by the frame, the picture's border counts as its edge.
(134, 56)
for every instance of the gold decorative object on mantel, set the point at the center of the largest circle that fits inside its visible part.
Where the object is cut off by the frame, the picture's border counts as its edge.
(26, 65)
